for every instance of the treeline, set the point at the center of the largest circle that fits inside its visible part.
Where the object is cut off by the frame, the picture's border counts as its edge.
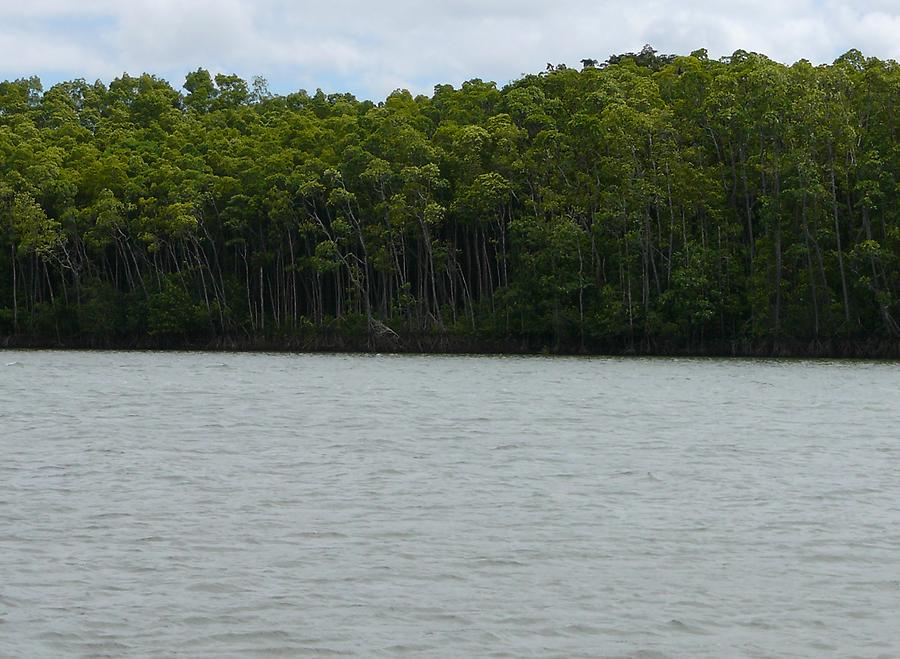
(650, 200)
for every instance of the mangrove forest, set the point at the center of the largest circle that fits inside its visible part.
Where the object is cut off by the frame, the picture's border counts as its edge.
(646, 203)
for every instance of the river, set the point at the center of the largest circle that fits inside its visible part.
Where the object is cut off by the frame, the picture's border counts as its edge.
(216, 504)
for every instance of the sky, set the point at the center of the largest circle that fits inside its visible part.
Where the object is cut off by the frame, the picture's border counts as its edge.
(372, 48)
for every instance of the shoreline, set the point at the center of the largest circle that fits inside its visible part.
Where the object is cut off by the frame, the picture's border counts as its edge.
(447, 344)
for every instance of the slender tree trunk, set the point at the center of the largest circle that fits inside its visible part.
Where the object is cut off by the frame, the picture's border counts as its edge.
(15, 286)
(262, 298)
(837, 235)
(809, 267)
(779, 270)
(747, 210)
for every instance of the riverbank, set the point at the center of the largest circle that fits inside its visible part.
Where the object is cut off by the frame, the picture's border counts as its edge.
(431, 343)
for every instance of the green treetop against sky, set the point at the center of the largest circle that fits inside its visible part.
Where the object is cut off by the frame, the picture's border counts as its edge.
(648, 199)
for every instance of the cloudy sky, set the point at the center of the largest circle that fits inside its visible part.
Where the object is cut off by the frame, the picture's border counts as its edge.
(370, 48)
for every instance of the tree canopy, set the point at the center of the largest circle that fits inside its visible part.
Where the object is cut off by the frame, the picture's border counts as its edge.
(649, 200)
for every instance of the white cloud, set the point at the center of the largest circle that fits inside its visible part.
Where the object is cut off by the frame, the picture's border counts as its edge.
(371, 48)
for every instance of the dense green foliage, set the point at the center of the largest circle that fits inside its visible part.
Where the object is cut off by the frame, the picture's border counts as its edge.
(650, 199)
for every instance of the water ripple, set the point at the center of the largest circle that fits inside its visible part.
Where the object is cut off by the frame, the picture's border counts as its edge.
(225, 505)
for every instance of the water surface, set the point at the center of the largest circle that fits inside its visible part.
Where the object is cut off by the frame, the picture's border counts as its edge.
(238, 504)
